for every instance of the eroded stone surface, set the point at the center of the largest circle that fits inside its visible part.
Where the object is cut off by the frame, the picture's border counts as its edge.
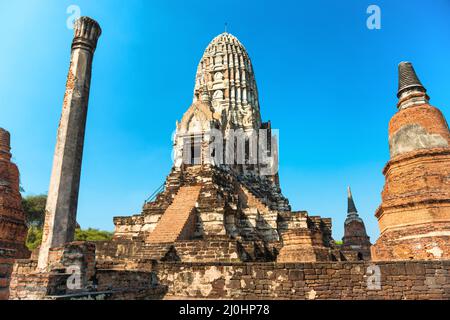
(62, 199)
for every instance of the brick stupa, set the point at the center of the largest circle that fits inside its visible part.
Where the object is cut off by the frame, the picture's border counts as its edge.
(13, 230)
(355, 240)
(414, 217)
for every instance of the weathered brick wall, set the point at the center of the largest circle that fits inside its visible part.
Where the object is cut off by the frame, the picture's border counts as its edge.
(220, 251)
(114, 281)
(6, 266)
(426, 116)
(415, 214)
(330, 280)
(27, 284)
(217, 249)
(399, 244)
(324, 280)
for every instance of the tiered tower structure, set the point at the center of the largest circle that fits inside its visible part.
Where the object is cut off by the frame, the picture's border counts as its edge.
(223, 124)
(414, 216)
(208, 201)
(13, 229)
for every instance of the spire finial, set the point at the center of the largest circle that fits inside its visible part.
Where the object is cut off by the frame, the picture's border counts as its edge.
(352, 213)
(408, 79)
(351, 204)
(411, 92)
(226, 27)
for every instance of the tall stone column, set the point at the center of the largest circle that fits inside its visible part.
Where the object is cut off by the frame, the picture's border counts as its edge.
(62, 201)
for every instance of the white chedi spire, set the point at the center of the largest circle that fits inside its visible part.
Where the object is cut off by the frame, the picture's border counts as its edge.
(226, 70)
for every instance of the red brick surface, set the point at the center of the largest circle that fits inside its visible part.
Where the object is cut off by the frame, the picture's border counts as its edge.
(414, 216)
(177, 217)
(13, 230)
(426, 116)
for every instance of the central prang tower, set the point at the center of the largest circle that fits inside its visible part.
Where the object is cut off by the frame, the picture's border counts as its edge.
(223, 124)
(217, 207)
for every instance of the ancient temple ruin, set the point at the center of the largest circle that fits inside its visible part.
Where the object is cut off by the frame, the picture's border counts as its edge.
(220, 226)
(211, 195)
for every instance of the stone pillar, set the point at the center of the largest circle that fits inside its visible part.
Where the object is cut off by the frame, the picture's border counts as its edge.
(60, 217)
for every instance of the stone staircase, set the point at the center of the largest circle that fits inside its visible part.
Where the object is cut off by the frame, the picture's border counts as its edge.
(176, 217)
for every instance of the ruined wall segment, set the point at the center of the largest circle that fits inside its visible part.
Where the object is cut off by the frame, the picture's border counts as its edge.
(414, 217)
(305, 239)
(146, 279)
(399, 280)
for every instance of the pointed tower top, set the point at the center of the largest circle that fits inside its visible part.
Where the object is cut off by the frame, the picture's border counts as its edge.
(351, 208)
(407, 78)
(352, 213)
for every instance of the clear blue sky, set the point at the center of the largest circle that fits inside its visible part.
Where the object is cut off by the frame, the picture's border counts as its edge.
(325, 81)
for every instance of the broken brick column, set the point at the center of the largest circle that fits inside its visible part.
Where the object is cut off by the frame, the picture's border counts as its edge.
(13, 230)
(62, 201)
